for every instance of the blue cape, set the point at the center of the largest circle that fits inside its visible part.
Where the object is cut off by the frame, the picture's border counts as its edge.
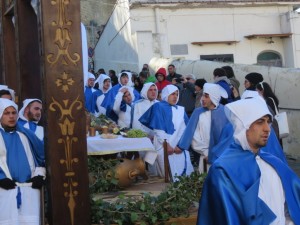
(273, 146)
(111, 94)
(159, 116)
(88, 97)
(32, 125)
(230, 191)
(218, 121)
(95, 95)
(109, 100)
(37, 149)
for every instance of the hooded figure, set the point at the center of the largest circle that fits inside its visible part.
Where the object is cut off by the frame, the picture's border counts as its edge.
(11, 91)
(104, 88)
(206, 124)
(161, 76)
(142, 105)
(221, 79)
(90, 101)
(31, 124)
(122, 106)
(247, 185)
(168, 121)
(22, 169)
(124, 79)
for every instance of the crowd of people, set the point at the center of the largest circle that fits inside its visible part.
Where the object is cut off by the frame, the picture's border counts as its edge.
(232, 136)
(22, 160)
(208, 126)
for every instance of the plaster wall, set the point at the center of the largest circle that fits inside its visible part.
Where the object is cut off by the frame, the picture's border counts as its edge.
(127, 39)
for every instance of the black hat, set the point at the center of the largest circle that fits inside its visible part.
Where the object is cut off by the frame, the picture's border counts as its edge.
(254, 78)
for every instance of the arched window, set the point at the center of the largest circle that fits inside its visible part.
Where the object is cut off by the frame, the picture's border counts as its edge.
(269, 59)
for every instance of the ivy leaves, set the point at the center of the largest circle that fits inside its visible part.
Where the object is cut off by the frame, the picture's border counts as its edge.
(175, 201)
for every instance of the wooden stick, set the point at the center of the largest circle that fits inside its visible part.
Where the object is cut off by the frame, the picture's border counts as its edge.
(42, 201)
(205, 165)
(166, 161)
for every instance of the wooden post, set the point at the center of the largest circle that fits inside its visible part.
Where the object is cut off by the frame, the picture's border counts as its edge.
(65, 130)
(8, 46)
(205, 165)
(166, 162)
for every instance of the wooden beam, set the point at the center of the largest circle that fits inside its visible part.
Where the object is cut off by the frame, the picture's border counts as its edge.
(62, 83)
(8, 48)
(213, 42)
(28, 55)
(252, 36)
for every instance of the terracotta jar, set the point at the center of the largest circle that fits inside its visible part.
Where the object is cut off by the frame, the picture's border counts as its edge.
(128, 170)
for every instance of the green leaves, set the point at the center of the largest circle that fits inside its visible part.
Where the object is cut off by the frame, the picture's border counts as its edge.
(175, 201)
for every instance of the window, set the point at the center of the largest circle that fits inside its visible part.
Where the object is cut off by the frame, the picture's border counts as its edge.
(218, 58)
(269, 58)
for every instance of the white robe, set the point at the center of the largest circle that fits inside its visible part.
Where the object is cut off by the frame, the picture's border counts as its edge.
(29, 211)
(177, 161)
(273, 197)
(201, 138)
(124, 117)
(140, 107)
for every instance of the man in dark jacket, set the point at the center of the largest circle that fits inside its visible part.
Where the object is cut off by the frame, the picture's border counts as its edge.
(172, 76)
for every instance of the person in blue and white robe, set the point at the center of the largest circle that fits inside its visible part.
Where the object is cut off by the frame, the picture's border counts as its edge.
(124, 79)
(247, 185)
(22, 169)
(149, 94)
(6, 92)
(206, 124)
(90, 101)
(122, 106)
(226, 138)
(104, 82)
(30, 115)
(168, 122)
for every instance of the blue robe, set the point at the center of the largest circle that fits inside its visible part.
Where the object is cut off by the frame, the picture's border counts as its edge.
(218, 121)
(273, 146)
(162, 120)
(109, 100)
(230, 191)
(32, 125)
(95, 95)
(111, 94)
(90, 101)
(20, 171)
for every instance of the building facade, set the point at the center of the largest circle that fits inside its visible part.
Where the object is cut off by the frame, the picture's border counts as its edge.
(243, 32)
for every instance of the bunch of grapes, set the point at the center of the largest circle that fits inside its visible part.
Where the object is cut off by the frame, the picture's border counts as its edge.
(136, 133)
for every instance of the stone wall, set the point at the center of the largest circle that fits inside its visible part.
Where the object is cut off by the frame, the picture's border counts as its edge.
(94, 15)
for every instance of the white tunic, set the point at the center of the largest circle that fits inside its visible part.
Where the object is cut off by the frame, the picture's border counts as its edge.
(177, 161)
(29, 211)
(200, 142)
(201, 138)
(140, 107)
(273, 197)
(124, 117)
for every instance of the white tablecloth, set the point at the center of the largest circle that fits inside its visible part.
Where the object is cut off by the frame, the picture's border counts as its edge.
(100, 146)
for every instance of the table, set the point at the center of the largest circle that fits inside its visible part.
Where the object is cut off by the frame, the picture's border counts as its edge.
(100, 146)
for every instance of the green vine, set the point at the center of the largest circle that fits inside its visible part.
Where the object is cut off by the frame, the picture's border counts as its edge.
(175, 201)
(101, 174)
